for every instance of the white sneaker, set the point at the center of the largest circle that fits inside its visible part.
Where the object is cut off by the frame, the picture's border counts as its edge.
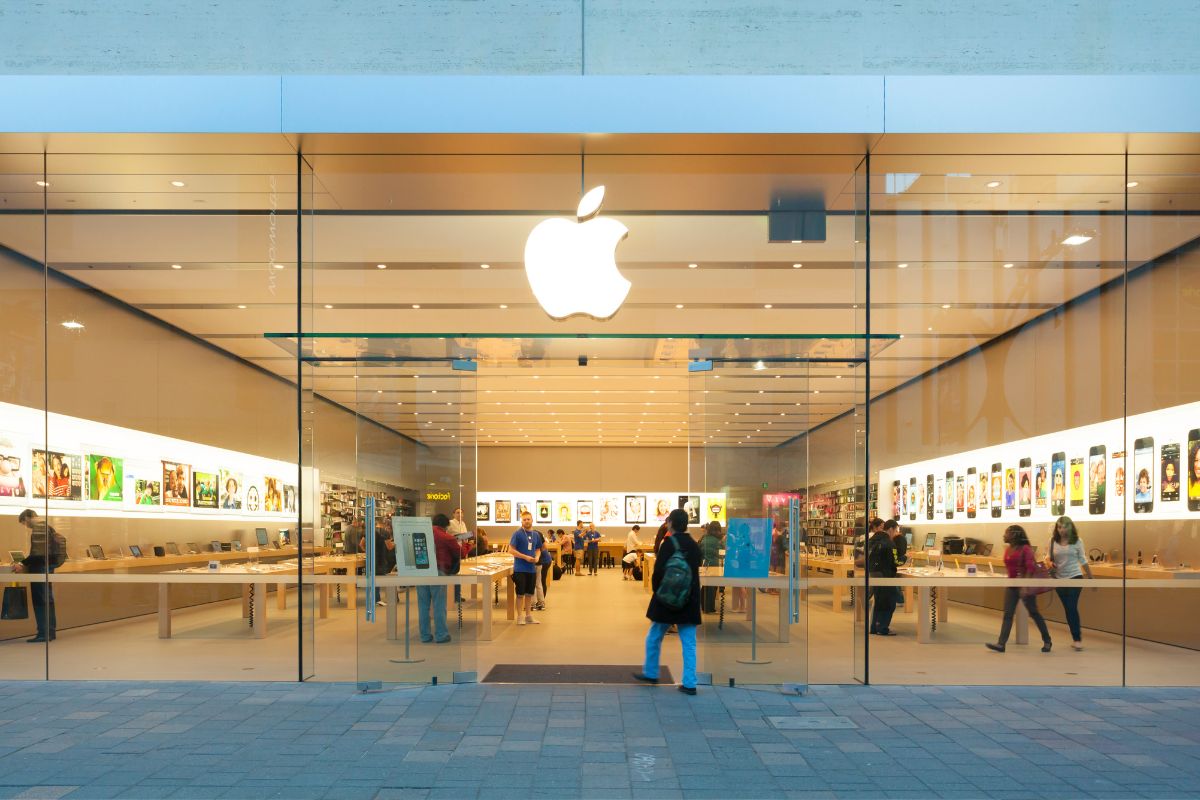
(380, 603)
(520, 621)
(532, 621)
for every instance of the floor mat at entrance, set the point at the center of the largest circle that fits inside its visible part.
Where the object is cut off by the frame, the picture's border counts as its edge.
(570, 673)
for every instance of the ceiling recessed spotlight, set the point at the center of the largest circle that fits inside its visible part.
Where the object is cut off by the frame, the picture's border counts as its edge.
(485, 266)
(1008, 266)
(679, 305)
(44, 184)
(839, 377)
(816, 391)
(381, 266)
(416, 376)
(692, 266)
(945, 305)
(902, 266)
(759, 365)
(327, 305)
(797, 241)
(177, 266)
(767, 305)
(379, 391)
(1129, 185)
(797, 266)
(178, 184)
(399, 403)
(929, 328)
(433, 391)
(503, 306)
(993, 184)
(1076, 239)
(416, 305)
(241, 306)
(278, 266)
(72, 325)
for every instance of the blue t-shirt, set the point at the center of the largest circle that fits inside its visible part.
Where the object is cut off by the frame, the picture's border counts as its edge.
(526, 543)
(593, 540)
(579, 539)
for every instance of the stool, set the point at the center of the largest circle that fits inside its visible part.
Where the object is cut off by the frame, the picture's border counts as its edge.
(606, 560)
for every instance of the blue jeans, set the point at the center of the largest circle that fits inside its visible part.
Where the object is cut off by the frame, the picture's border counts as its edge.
(437, 596)
(687, 640)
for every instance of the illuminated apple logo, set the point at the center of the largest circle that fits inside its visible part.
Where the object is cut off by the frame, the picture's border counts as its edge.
(571, 265)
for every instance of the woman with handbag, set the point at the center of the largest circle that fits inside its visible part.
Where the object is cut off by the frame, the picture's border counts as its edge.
(1020, 563)
(1067, 559)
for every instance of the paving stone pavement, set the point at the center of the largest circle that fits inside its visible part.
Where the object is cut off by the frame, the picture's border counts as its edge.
(259, 740)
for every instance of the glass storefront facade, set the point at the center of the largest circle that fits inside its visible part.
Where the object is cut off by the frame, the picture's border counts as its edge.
(230, 360)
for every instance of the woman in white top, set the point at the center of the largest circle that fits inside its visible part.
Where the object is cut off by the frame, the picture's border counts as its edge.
(1066, 559)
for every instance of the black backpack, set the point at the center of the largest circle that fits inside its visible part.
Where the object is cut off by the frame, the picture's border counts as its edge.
(675, 589)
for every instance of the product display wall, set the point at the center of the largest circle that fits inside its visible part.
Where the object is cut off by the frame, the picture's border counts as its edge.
(602, 509)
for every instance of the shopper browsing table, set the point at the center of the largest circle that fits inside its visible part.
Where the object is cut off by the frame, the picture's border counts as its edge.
(664, 611)
(524, 547)
(434, 596)
(44, 557)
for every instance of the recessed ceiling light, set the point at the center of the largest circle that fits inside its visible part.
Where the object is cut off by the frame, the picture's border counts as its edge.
(433, 391)
(1076, 239)
(902, 266)
(767, 305)
(692, 266)
(277, 266)
(178, 184)
(1008, 266)
(485, 266)
(839, 377)
(1129, 185)
(416, 305)
(72, 325)
(816, 391)
(797, 241)
(679, 305)
(241, 306)
(503, 306)
(177, 266)
(381, 266)
(797, 266)
(929, 328)
(993, 184)
(379, 391)
(945, 305)
(44, 184)
(416, 376)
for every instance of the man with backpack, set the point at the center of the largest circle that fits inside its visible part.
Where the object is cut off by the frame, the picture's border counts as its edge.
(881, 563)
(47, 552)
(675, 601)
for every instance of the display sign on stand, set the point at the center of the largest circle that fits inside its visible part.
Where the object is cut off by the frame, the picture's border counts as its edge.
(748, 548)
(414, 546)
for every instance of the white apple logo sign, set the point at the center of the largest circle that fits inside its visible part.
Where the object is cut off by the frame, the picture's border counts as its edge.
(571, 265)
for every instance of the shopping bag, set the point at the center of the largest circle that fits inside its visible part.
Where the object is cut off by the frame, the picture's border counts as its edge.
(15, 604)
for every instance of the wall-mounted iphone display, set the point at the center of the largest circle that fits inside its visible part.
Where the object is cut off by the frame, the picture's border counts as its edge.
(1116, 468)
(1076, 481)
(972, 488)
(1170, 473)
(912, 499)
(1041, 486)
(960, 495)
(1143, 475)
(1025, 487)
(929, 496)
(985, 486)
(949, 495)
(895, 500)
(1010, 488)
(1097, 479)
(939, 502)
(997, 489)
(1058, 484)
(1193, 469)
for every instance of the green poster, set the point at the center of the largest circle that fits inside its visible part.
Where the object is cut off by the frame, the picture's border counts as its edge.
(106, 478)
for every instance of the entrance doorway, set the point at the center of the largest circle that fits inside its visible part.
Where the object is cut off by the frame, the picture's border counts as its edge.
(608, 431)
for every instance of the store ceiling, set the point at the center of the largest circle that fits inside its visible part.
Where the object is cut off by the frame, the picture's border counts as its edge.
(980, 235)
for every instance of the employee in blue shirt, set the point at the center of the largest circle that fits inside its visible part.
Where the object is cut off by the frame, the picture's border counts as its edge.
(578, 534)
(525, 547)
(592, 538)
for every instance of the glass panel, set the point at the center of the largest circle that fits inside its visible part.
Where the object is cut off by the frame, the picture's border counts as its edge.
(1163, 426)
(171, 430)
(1005, 276)
(23, 191)
(315, 558)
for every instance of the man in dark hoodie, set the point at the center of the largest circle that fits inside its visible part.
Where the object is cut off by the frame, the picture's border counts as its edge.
(881, 563)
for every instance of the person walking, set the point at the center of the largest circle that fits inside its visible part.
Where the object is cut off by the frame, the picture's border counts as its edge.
(632, 544)
(881, 563)
(523, 547)
(1019, 563)
(675, 601)
(47, 552)
(592, 540)
(710, 553)
(432, 597)
(1066, 559)
(577, 535)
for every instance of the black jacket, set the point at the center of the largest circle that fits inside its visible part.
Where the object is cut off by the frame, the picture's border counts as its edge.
(38, 563)
(881, 556)
(659, 611)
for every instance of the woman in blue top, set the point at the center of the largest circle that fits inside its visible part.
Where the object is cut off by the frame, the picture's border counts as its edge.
(1066, 559)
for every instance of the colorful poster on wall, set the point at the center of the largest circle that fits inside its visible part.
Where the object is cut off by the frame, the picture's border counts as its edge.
(1076, 481)
(662, 507)
(635, 509)
(272, 499)
(1041, 486)
(106, 478)
(147, 491)
(483, 512)
(231, 490)
(543, 512)
(714, 508)
(584, 507)
(253, 498)
(204, 489)
(504, 511)
(691, 504)
(289, 499)
(748, 548)
(564, 513)
(14, 472)
(611, 511)
(177, 484)
(57, 475)
(523, 509)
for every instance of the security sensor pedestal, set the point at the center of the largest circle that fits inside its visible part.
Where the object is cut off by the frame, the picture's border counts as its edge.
(391, 598)
(753, 659)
